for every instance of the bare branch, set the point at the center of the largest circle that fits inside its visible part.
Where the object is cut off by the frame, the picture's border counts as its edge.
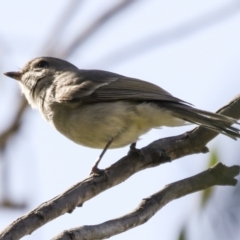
(174, 34)
(63, 21)
(15, 125)
(217, 175)
(156, 153)
(97, 24)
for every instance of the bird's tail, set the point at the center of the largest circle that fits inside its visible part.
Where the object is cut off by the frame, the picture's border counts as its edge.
(216, 122)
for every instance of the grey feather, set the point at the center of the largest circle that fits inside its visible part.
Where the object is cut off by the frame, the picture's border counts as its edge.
(67, 96)
(114, 87)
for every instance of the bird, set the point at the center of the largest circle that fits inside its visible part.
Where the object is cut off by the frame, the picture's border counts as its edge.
(101, 109)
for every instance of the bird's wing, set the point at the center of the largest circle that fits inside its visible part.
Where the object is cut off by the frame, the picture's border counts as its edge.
(101, 86)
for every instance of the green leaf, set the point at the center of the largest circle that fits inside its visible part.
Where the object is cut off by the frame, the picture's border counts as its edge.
(214, 158)
(182, 234)
(207, 193)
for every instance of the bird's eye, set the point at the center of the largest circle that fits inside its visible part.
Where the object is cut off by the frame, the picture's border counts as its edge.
(42, 64)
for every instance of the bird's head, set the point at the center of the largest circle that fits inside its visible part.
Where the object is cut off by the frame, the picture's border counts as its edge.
(38, 76)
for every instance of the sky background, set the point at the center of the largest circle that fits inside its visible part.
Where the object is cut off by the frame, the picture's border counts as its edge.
(189, 48)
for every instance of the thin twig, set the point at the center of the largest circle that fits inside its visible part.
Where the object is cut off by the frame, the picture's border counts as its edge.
(171, 35)
(69, 12)
(96, 25)
(13, 129)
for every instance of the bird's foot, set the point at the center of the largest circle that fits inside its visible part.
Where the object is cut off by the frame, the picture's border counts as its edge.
(95, 170)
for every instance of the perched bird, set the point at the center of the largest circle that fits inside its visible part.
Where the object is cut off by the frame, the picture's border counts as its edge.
(100, 109)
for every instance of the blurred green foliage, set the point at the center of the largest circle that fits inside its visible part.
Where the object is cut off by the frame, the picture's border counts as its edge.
(207, 193)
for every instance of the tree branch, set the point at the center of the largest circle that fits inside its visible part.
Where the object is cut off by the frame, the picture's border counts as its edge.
(50, 46)
(158, 152)
(217, 175)
(160, 39)
(9, 132)
(97, 24)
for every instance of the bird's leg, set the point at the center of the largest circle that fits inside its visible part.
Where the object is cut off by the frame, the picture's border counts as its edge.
(95, 169)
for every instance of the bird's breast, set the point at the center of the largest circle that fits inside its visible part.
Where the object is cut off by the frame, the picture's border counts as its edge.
(95, 124)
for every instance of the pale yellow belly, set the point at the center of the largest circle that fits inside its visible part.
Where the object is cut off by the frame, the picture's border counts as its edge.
(96, 124)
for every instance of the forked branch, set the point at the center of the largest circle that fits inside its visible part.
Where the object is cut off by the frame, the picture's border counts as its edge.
(158, 152)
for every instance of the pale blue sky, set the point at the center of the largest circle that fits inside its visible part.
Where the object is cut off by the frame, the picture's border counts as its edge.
(201, 67)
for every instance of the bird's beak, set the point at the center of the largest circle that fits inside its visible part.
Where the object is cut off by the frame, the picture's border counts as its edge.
(15, 75)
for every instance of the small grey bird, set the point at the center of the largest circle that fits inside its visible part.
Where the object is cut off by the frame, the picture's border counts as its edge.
(100, 109)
